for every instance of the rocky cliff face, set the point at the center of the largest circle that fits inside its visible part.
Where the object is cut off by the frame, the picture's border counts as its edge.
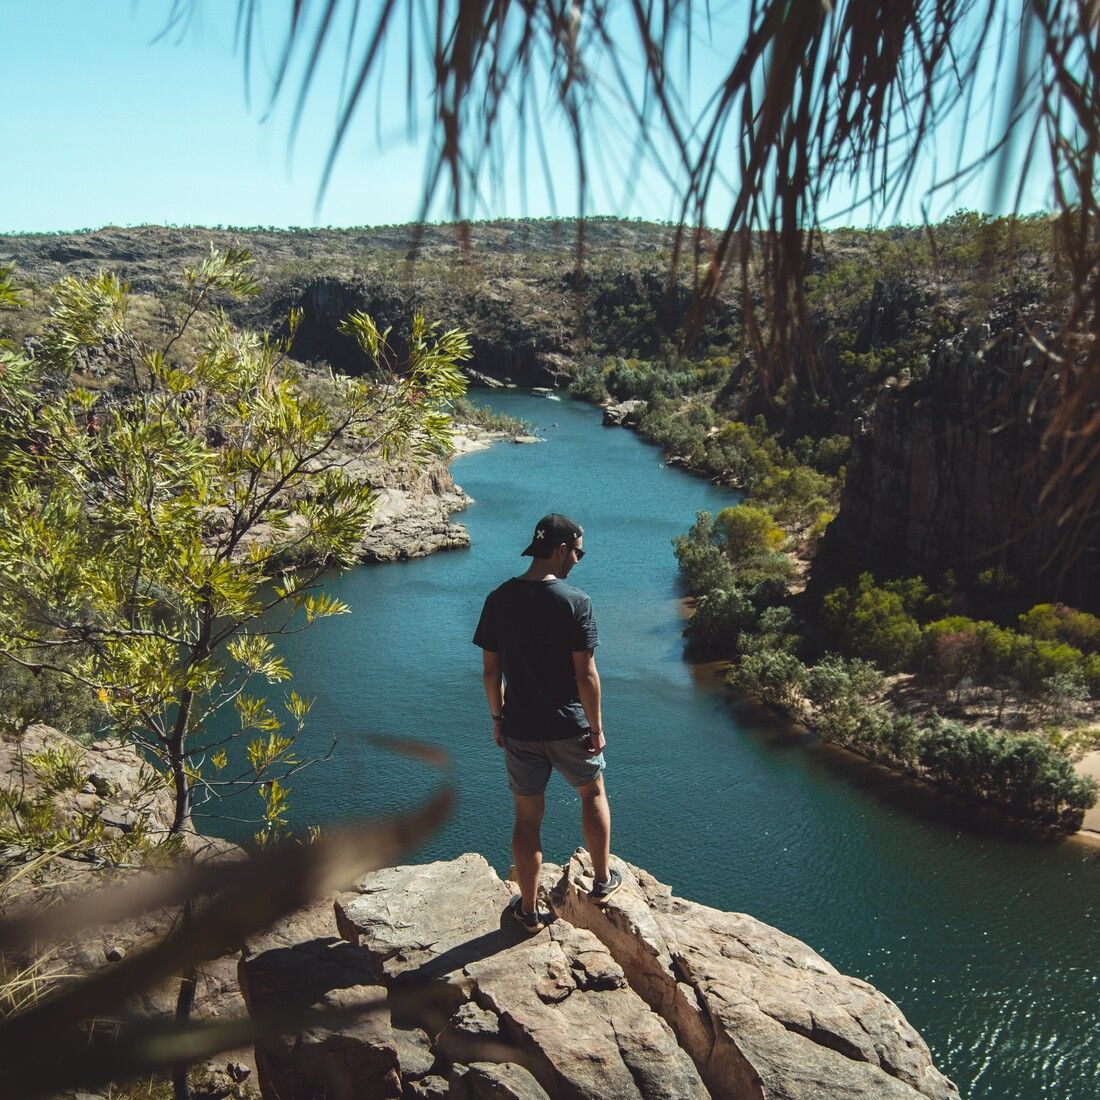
(948, 473)
(651, 996)
(528, 346)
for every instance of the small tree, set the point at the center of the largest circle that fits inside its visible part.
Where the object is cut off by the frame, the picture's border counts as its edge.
(872, 622)
(746, 531)
(775, 676)
(703, 565)
(154, 534)
(721, 617)
(1059, 623)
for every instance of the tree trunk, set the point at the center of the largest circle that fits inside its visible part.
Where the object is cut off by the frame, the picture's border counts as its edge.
(185, 1000)
(176, 761)
(177, 745)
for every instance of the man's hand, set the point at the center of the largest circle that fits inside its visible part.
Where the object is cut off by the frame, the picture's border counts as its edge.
(596, 741)
(498, 732)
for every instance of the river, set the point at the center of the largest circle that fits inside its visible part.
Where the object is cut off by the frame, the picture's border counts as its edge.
(988, 942)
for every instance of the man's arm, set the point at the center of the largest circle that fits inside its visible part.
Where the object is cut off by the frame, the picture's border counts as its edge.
(588, 688)
(494, 689)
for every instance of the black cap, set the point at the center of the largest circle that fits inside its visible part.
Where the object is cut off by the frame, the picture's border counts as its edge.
(550, 533)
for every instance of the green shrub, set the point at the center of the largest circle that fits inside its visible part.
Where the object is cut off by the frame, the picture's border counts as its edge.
(746, 454)
(796, 495)
(27, 697)
(746, 531)
(765, 568)
(872, 622)
(58, 768)
(840, 693)
(1036, 660)
(773, 675)
(768, 592)
(956, 646)
(721, 616)
(1024, 775)
(830, 454)
(917, 598)
(587, 384)
(776, 621)
(817, 529)
(465, 411)
(703, 565)
(1059, 623)
(1063, 693)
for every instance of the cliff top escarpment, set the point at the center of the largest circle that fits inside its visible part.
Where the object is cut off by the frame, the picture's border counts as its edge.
(650, 996)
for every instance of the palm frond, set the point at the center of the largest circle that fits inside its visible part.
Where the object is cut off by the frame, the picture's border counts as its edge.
(817, 94)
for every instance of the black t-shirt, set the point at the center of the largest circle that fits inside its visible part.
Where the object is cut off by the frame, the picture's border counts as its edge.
(536, 627)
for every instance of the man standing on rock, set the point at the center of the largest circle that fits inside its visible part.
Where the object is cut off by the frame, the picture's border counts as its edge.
(538, 635)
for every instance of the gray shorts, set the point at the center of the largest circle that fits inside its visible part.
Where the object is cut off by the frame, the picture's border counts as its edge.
(530, 763)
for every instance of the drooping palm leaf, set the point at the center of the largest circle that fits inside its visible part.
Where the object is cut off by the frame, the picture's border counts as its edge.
(817, 93)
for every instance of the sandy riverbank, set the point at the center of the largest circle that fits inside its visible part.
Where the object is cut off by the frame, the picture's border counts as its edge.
(1089, 765)
(469, 438)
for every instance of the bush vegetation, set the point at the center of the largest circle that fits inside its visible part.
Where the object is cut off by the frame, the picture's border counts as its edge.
(465, 411)
(743, 611)
(1024, 775)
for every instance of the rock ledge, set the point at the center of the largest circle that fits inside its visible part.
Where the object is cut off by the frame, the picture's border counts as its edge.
(649, 996)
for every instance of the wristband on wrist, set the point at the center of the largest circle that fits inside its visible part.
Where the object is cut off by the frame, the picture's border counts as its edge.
(495, 717)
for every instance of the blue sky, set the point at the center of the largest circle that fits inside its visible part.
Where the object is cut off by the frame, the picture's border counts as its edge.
(106, 124)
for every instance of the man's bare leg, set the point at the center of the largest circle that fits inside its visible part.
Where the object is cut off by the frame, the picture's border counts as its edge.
(596, 825)
(527, 846)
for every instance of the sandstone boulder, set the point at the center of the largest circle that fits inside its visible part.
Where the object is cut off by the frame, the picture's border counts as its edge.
(494, 1081)
(111, 781)
(761, 1014)
(428, 1088)
(563, 1009)
(472, 1034)
(478, 378)
(624, 414)
(414, 1052)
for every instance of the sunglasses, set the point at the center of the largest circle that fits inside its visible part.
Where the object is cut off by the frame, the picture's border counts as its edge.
(578, 551)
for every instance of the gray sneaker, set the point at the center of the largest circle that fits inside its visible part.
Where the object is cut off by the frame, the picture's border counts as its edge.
(601, 891)
(529, 922)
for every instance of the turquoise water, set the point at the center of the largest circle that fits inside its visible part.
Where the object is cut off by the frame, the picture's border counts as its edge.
(989, 944)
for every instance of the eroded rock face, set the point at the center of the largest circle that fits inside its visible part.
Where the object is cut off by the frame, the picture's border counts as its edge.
(112, 780)
(412, 508)
(494, 1081)
(761, 1014)
(349, 1061)
(563, 1009)
(625, 414)
(650, 996)
(949, 472)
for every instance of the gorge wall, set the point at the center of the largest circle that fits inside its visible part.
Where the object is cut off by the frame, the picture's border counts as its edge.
(528, 347)
(949, 471)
